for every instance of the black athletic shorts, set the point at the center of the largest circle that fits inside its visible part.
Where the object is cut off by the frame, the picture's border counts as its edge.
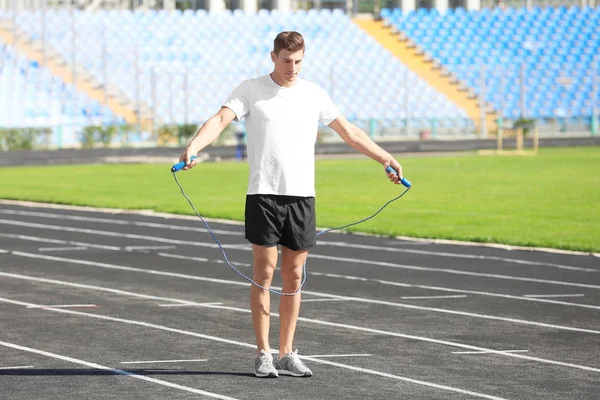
(286, 220)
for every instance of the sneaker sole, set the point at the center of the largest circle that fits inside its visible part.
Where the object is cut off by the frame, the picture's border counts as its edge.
(290, 373)
(269, 375)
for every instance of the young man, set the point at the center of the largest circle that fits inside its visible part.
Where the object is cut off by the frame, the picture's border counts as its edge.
(282, 114)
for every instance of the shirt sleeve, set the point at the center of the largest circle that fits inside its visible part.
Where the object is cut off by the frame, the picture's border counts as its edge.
(239, 100)
(329, 112)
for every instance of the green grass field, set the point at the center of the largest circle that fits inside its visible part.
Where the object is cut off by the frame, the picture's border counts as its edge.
(549, 200)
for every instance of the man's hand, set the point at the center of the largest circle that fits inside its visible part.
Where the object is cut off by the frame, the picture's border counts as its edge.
(187, 158)
(395, 178)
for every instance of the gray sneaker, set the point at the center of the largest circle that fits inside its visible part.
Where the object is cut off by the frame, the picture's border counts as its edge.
(290, 364)
(263, 366)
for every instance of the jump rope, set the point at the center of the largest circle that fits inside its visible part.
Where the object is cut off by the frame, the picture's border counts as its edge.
(181, 164)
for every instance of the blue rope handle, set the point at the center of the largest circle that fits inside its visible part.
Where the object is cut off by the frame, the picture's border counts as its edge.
(304, 266)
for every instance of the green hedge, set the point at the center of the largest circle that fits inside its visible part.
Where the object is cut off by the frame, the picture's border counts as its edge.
(24, 138)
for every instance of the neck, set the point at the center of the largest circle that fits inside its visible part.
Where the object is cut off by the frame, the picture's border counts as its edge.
(281, 82)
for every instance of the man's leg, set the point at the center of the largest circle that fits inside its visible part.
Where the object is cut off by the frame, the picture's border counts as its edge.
(265, 262)
(289, 306)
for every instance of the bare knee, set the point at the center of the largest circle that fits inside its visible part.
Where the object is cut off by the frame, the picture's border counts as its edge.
(265, 262)
(263, 273)
(292, 275)
(292, 267)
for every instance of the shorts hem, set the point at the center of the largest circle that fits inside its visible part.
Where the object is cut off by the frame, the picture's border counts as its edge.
(299, 248)
(256, 242)
(293, 248)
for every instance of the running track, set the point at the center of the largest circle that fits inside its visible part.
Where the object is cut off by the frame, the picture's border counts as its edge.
(119, 305)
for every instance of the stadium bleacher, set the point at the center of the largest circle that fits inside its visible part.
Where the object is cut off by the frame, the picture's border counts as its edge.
(548, 52)
(183, 64)
(30, 96)
(215, 52)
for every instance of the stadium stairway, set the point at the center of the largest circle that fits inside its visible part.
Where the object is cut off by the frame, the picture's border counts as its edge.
(437, 76)
(58, 66)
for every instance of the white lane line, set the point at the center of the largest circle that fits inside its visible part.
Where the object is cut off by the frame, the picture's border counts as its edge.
(489, 294)
(252, 346)
(461, 313)
(115, 371)
(57, 241)
(161, 361)
(336, 355)
(420, 338)
(317, 256)
(554, 295)
(134, 248)
(326, 295)
(460, 296)
(190, 305)
(237, 264)
(353, 278)
(117, 222)
(313, 321)
(17, 367)
(66, 306)
(125, 268)
(452, 271)
(61, 248)
(317, 300)
(487, 352)
(400, 242)
(100, 289)
(456, 255)
(121, 235)
(419, 382)
(328, 243)
(201, 259)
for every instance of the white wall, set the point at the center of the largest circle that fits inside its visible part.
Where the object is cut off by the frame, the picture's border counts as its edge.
(284, 6)
(250, 6)
(408, 6)
(473, 4)
(216, 6)
(441, 6)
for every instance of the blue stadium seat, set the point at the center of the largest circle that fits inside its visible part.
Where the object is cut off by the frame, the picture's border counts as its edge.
(545, 39)
(30, 96)
(192, 43)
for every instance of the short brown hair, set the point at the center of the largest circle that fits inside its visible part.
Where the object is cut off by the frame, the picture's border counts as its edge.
(288, 40)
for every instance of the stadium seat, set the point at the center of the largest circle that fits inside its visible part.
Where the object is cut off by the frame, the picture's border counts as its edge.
(540, 38)
(30, 96)
(339, 56)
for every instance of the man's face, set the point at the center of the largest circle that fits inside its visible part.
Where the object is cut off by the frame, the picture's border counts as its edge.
(287, 64)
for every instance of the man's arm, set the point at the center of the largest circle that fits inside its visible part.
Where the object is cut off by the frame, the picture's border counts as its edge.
(360, 141)
(208, 133)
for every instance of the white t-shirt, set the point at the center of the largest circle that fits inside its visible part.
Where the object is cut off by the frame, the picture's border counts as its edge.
(281, 127)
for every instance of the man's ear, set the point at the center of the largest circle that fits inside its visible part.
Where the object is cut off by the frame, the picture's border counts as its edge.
(273, 56)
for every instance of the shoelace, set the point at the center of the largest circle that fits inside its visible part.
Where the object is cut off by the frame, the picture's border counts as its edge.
(266, 357)
(294, 356)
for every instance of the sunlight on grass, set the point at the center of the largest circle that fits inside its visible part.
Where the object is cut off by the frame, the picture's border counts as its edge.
(550, 200)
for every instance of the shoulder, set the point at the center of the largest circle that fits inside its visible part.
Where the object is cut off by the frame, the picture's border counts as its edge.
(259, 80)
(257, 83)
(245, 87)
(248, 82)
(251, 82)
